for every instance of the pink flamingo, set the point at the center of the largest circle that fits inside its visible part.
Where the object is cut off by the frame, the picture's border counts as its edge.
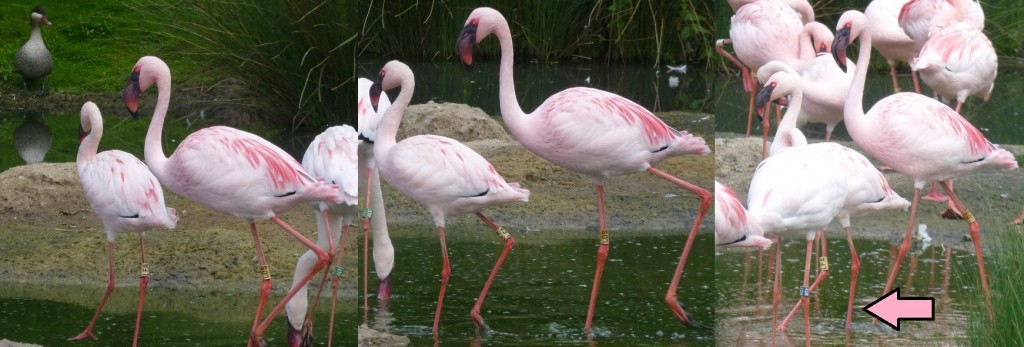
(440, 173)
(331, 157)
(802, 6)
(383, 250)
(920, 19)
(958, 61)
(916, 136)
(767, 30)
(890, 41)
(797, 190)
(562, 130)
(230, 171)
(126, 197)
(867, 189)
(732, 226)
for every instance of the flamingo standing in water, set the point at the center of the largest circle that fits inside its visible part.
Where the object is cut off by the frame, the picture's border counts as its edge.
(867, 189)
(890, 40)
(958, 61)
(733, 228)
(916, 136)
(562, 130)
(233, 172)
(374, 216)
(126, 197)
(331, 157)
(440, 173)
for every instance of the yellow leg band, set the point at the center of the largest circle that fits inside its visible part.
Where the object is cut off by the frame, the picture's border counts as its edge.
(968, 216)
(502, 234)
(604, 237)
(265, 271)
(823, 263)
(145, 270)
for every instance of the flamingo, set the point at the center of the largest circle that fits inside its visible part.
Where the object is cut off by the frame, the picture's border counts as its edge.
(383, 250)
(958, 61)
(767, 30)
(331, 157)
(797, 190)
(920, 19)
(867, 189)
(732, 226)
(890, 40)
(562, 130)
(440, 173)
(801, 6)
(917, 136)
(126, 197)
(232, 172)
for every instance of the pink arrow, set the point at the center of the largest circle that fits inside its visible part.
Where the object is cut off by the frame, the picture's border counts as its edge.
(891, 309)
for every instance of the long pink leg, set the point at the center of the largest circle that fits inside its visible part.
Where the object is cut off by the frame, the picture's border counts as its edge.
(972, 225)
(308, 324)
(902, 251)
(602, 255)
(322, 260)
(917, 85)
(935, 195)
(509, 242)
(705, 204)
(822, 274)
(1019, 220)
(335, 281)
(892, 72)
(446, 271)
(854, 270)
(264, 288)
(110, 288)
(366, 245)
(143, 281)
(748, 81)
(777, 285)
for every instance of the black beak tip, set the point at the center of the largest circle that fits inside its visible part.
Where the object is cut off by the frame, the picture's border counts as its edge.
(134, 114)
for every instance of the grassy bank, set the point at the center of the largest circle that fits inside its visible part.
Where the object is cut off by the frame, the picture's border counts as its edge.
(1005, 269)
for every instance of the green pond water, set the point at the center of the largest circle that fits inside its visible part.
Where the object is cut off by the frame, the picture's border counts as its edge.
(540, 297)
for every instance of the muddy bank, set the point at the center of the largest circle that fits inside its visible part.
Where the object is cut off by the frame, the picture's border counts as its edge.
(370, 337)
(561, 199)
(995, 197)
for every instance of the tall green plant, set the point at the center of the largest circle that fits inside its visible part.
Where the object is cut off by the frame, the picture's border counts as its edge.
(295, 57)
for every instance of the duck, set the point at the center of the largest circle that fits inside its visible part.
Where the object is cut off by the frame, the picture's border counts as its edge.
(34, 62)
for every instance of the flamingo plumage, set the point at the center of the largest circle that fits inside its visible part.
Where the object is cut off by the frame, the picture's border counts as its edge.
(890, 40)
(562, 130)
(330, 157)
(230, 171)
(958, 61)
(733, 228)
(126, 197)
(920, 19)
(917, 136)
(441, 174)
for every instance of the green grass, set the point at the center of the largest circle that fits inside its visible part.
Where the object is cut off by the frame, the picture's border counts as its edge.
(1005, 268)
(94, 45)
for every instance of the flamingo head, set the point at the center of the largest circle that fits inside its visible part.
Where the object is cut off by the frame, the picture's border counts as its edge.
(299, 338)
(375, 91)
(481, 23)
(850, 25)
(393, 74)
(131, 93)
(779, 88)
(39, 15)
(89, 112)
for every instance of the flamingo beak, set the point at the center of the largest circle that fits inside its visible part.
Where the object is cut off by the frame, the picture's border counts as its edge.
(375, 90)
(131, 93)
(384, 289)
(763, 98)
(464, 47)
(82, 134)
(839, 45)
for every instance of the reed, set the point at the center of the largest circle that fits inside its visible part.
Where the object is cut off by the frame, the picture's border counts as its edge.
(1005, 269)
(294, 58)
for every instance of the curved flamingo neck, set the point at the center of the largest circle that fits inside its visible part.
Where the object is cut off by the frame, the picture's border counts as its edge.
(387, 129)
(511, 113)
(854, 108)
(154, 150)
(787, 135)
(91, 143)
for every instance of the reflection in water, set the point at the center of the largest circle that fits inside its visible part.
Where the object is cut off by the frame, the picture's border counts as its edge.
(32, 138)
(745, 310)
(541, 295)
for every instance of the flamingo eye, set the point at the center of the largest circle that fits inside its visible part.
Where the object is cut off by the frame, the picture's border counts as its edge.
(848, 26)
(474, 22)
(773, 84)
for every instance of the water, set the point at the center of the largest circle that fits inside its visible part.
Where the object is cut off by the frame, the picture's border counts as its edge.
(448, 81)
(1000, 119)
(540, 297)
(60, 130)
(744, 310)
(48, 314)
